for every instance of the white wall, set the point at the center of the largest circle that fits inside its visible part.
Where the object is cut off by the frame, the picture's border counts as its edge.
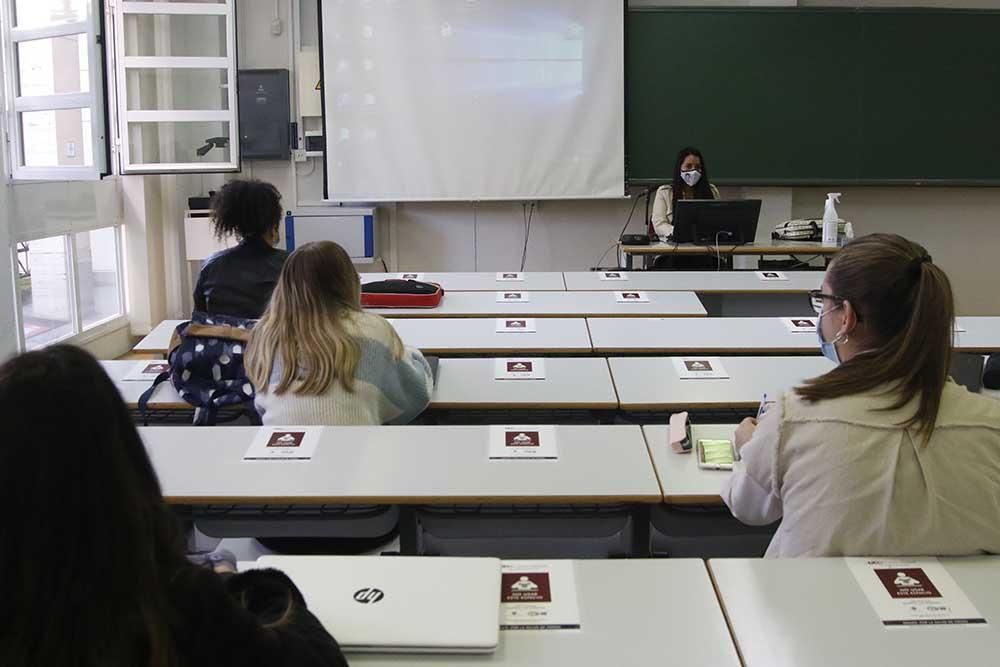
(958, 225)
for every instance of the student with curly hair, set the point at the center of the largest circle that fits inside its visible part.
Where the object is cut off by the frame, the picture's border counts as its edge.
(238, 281)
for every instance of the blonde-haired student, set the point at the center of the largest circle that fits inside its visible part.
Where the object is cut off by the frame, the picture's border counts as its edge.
(316, 357)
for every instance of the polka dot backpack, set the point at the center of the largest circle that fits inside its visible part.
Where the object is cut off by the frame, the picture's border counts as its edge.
(206, 367)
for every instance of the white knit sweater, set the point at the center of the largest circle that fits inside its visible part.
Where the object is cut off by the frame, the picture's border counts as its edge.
(386, 389)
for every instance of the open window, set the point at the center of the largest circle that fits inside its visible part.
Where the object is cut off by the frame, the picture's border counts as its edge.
(175, 65)
(54, 85)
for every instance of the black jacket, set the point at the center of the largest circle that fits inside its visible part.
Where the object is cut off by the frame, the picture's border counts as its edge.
(239, 281)
(210, 628)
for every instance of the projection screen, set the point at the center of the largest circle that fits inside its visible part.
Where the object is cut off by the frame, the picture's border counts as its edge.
(436, 100)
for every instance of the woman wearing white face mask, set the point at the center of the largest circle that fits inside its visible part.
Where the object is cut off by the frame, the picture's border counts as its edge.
(883, 455)
(690, 182)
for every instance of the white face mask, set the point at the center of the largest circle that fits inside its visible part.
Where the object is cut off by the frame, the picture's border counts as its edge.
(691, 177)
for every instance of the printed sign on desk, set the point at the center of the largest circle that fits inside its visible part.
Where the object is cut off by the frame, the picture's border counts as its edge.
(699, 368)
(800, 324)
(516, 325)
(284, 443)
(538, 595)
(913, 592)
(519, 369)
(411, 276)
(511, 277)
(523, 442)
(614, 275)
(513, 297)
(771, 275)
(631, 297)
(147, 371)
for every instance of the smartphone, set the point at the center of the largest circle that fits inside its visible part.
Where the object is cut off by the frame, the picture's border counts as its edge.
(716, 454)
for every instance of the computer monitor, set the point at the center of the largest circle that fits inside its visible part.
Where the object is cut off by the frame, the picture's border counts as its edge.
(716, 221)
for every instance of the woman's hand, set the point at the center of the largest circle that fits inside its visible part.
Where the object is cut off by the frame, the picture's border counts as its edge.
(744, 432)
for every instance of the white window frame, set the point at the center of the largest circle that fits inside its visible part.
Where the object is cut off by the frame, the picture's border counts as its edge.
(94, 100)
(79, 333)
(125, 63)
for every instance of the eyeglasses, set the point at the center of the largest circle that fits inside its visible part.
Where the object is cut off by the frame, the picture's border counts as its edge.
(816, 299)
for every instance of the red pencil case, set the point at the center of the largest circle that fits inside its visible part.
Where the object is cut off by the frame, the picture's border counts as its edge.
(401, 294)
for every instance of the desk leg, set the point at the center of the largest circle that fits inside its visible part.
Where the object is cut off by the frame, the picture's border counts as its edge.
(408, 530)
(641, 545)
(628, 261)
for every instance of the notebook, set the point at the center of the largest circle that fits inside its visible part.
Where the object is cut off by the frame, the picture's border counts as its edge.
(389, 604)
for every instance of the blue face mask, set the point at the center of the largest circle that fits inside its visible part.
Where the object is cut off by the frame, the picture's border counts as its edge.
(828, 348)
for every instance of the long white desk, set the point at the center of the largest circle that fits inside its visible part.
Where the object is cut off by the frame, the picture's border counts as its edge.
(535, 281)
(812, 613)
(477, 335)
(744, 335)
(632, 612)
(702, 282)
(402, 465)
(652, 383)
(683, 482)
(450, 336)
(555, 304)
(570, 383)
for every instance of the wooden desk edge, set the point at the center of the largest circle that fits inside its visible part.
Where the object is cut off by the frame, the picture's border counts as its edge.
(200, 501)
(501, 405)
(725, 612)
(429, 315)
(692, 499)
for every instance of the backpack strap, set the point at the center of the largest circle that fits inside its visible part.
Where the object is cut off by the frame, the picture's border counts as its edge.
(146, 395)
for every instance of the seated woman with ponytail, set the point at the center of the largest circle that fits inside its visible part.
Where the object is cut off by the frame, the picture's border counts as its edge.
(884, 455)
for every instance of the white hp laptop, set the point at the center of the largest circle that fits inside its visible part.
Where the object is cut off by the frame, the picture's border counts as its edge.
(390, 604)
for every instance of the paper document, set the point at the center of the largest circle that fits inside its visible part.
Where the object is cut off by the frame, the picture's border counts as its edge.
(510, 277)
(800, 324)
(698, 368)
(523, 442)
(411, 276)
(538, 595)
(519, 325)
(631, 297)
(771, 275)
(913, 592)
(146, 371)
(513, 297)
(284, 443)
(519, 369)
(614, 275)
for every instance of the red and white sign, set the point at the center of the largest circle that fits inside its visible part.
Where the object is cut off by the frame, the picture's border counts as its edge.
(914, 592)
(523, 442)
(284, 443)
(519, 369)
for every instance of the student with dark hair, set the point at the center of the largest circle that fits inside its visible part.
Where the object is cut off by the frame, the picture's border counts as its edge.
(690, 181)
(238, 281)
(92, 563)
(884, 455)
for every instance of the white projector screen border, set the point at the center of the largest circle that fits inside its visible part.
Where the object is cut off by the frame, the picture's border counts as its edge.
(391, 135)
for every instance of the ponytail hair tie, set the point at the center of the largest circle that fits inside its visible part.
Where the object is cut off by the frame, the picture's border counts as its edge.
(917, 262)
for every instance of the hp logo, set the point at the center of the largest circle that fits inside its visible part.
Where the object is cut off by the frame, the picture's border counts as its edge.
(368, 596)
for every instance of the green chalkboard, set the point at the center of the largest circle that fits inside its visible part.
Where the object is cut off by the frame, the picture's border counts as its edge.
(815, 96)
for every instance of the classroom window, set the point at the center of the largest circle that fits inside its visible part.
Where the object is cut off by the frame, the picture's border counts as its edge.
(54, 82)
(176, 67)
(68, 284)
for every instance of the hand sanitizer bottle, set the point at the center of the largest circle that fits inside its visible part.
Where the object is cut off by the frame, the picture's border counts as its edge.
(830, 220)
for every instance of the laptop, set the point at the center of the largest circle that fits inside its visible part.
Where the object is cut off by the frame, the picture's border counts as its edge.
(716, 221)
(390, 604)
